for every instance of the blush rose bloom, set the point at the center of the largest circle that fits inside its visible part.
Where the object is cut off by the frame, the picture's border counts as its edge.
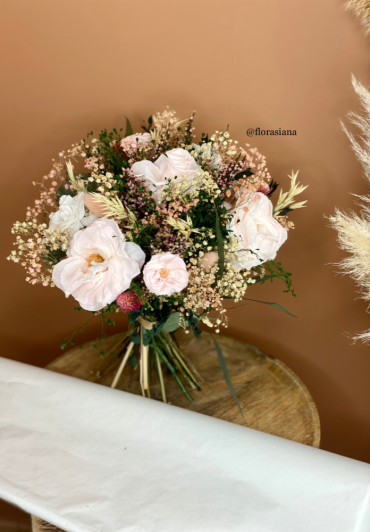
(257, 231)
(133, 141)
(165, 274)
(175, 163)
(71, 214)
(100, 265)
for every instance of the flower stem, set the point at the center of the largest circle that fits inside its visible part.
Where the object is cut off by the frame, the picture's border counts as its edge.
(160, 375)
(172, 371)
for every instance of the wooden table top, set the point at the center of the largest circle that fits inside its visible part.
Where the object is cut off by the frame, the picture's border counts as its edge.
(272, 397)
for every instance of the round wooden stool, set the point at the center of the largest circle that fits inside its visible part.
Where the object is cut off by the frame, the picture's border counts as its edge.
(272, 397)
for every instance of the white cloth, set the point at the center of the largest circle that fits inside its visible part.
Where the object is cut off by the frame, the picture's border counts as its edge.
(88, 458)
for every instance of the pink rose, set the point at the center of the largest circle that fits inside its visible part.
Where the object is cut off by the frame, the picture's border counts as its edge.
(133, 141)
(165, 274)
(259, 234)
(100, 265)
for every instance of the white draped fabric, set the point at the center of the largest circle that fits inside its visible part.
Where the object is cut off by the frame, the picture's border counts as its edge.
(87, 458)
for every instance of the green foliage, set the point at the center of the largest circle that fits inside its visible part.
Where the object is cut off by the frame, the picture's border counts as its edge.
(63, 191)
(144, 237)
(172, 323)
(276, 305)
(285, 211)
(273, 186)
(225, 372)
(150, 124)
(220, 249)
(268, 271)
(242, 175)
(193, 321)
(53, 257)
(128, 128)
(113, 156)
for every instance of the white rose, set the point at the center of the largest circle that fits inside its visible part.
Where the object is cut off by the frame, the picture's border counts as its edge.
(100, 265)
(259, 234)
(178, 163)
(152, 177)
(71, 214)
(175, 163)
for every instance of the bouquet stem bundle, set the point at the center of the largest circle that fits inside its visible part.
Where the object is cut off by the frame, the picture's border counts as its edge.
(162, 350)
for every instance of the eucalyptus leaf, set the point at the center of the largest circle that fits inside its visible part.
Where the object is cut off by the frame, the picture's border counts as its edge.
(172, 323)
(276, 305)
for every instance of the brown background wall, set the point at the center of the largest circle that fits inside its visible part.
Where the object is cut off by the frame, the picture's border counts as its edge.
(73, 66)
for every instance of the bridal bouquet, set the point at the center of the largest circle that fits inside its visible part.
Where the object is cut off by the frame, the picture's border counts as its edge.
(160, 226)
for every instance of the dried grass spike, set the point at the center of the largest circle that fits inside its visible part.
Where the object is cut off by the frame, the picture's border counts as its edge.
(361, 8)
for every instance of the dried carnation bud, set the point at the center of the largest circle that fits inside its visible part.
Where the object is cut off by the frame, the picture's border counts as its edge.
(264, 188)
(129, 301)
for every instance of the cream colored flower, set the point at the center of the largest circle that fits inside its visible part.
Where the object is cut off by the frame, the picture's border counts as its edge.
(100, 265)
(259, 234)
(177, 163)
(71, 214)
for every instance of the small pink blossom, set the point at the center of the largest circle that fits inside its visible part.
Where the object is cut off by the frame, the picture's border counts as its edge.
(91, 162)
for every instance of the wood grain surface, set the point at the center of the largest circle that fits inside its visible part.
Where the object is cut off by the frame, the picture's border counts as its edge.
(272, 397)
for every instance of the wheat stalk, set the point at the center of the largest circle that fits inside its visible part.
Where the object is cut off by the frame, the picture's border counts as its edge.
(77, 183)
(112, 206)
(184, 227)
(286, 199)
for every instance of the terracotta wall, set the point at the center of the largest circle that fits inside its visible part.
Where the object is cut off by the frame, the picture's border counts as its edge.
(73, 66)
